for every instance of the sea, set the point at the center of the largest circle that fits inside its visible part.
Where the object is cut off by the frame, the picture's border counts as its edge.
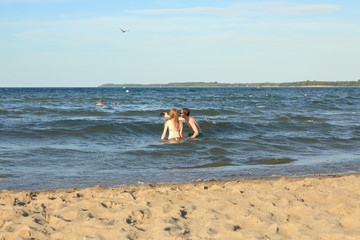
(57, 138)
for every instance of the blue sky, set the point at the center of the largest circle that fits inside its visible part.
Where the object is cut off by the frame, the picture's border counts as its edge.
(78, 43)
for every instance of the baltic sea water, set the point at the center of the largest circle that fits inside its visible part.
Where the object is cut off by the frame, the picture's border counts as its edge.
(55, 138)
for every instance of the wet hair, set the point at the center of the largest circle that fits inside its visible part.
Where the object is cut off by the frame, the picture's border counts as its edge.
(186, 111)
(174, 116)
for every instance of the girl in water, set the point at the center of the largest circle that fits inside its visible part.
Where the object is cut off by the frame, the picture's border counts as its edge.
(174, 126)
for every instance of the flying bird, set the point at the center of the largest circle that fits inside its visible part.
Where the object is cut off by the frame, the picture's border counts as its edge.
(124, 31)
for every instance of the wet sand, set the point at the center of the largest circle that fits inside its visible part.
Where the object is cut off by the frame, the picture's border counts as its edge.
(287, 208)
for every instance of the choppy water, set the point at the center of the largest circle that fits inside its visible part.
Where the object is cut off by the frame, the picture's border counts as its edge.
(57, 138)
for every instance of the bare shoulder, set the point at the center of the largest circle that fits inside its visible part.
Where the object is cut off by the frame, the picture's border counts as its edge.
(191, 119)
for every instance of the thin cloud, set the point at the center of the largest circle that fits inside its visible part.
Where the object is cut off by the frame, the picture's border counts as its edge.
(198, 10)
(306, 9)
(261, 8)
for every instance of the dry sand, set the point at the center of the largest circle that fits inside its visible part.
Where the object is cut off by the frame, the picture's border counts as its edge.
(286, 208)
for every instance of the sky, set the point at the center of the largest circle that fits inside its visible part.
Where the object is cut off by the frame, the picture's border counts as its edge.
(78, 43)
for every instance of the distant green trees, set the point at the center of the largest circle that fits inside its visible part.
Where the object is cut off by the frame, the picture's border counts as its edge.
(321, 83)
(307, 83)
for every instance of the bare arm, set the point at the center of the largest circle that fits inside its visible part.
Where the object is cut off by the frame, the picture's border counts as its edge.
(166, 126)
(193, 126)
(181, 129)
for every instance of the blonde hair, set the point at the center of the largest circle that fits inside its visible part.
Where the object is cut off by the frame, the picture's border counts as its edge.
(174, 116)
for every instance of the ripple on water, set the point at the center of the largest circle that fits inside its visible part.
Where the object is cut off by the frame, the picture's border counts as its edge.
(270, 161)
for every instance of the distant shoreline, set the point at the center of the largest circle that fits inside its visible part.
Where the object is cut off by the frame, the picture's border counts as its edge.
(303, 84)
(150, 86)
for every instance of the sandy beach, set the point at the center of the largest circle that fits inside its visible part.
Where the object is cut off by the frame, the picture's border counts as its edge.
(326, 207)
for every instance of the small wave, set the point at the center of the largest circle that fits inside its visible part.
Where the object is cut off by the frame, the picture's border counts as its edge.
(38, 99)
(270, 161)
(306, 140)
(217, 150)
(84, 128)
(214, 165)
(224, 163)
(214, 112)
(300, 118)
(284, 116)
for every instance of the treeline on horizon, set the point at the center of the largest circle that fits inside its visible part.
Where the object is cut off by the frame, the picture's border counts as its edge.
(307, 83)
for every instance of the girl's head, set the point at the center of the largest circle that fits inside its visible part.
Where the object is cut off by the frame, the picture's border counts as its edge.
(174, 116)
(173, 113)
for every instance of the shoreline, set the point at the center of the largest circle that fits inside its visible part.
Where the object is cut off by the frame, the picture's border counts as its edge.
(252, 86)
(167, 184)
(313, 207)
